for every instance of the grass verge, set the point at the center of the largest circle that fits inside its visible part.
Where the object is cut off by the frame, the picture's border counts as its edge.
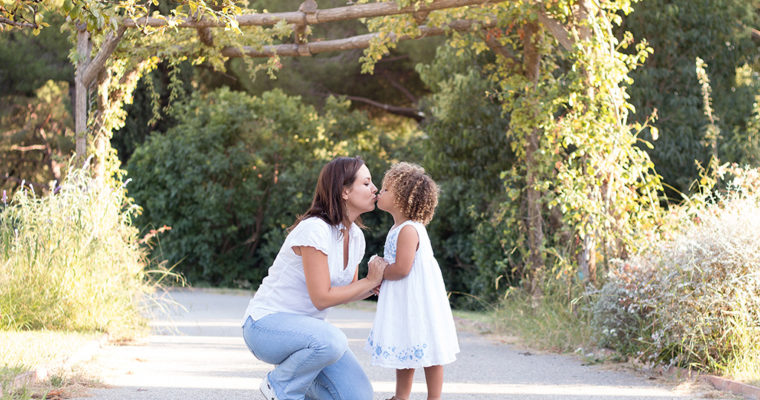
(550, 323)
(562, 326)
(25, 351)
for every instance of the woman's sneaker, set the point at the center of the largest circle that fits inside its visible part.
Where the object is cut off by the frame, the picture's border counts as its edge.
(267, 390)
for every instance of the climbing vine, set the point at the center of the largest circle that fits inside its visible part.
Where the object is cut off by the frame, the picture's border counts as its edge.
(582, 190)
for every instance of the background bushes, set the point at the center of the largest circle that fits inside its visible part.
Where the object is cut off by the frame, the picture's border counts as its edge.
(237, 170)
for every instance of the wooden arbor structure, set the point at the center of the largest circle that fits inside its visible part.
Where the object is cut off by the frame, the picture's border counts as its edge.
(573, 24)
(90, 69)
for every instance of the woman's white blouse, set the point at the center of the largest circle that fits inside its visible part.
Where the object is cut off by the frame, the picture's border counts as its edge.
(284, 288)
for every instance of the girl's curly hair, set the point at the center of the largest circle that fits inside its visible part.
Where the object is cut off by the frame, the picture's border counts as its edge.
(416, 193)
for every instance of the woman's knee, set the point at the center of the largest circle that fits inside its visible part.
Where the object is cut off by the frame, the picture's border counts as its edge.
(332, 344)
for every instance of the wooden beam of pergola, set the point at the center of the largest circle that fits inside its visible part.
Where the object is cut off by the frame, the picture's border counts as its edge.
(308, 14)
(10, 22)
(351, 43)
(319, 16)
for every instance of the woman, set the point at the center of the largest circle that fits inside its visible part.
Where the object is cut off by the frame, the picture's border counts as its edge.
(316, 269)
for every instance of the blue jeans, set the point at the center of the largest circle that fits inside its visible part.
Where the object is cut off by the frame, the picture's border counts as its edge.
(312, 357)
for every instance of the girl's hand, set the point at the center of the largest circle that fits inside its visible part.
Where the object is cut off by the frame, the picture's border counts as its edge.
(377, 267)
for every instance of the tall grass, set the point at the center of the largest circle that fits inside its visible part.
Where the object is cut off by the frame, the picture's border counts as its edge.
(70, 260)
(551, 322)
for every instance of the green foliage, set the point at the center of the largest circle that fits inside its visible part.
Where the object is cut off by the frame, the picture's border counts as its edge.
(28, 61)
(679, 32)
(572, 145)
(26, 14)
(571, 157)
(234, 174)
(693, 297)
(149, 111)
(70, 260)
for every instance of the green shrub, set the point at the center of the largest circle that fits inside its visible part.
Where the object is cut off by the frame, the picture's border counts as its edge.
(70, 260)
(693, 298)
(237, 170)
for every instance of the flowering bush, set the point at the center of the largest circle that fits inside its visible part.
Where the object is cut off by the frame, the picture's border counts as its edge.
(693, 299)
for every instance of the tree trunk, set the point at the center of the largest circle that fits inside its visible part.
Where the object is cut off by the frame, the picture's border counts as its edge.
(87, 70)
(80, 89)
(99, 130)
(534, 222)
(587, 256)
(110, 95)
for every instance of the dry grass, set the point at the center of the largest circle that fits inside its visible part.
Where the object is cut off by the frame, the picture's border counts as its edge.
(47, 352)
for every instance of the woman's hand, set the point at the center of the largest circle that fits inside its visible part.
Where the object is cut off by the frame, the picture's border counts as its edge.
(377, 267)
(321, 291)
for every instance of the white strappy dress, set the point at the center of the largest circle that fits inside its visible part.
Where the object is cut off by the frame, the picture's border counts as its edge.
(413, 324)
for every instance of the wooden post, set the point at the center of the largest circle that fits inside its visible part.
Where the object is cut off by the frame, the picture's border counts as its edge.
(80, 90)
(587, 255)
(535, 223)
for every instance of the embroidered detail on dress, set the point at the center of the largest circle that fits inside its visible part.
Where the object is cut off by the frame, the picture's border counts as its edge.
(411, 353)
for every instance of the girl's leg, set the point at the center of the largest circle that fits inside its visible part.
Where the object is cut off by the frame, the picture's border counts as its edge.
(434, 380)
(301, 346)
(404, 379)
(343, 380)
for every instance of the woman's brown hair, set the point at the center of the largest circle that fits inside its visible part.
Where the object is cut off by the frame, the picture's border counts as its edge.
(328, 203)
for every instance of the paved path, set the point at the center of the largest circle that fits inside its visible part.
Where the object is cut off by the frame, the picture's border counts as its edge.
(198, 353)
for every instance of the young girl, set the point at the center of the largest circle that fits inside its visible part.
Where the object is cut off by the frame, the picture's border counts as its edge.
(413, 325)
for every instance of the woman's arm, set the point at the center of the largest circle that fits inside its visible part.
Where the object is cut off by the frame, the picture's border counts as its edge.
(321, 292)
(406, 246)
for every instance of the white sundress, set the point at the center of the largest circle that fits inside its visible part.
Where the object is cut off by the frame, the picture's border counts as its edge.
(413, 325)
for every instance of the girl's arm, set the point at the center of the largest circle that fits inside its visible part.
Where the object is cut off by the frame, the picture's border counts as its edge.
(406, 246)
(321, 292)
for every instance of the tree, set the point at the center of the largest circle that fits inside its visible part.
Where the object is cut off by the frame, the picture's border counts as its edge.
(37, 138)
(394, 88)
(720, 33)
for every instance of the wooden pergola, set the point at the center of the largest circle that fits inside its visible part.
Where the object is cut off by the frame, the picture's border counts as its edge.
(574, 27)
(89, 68)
